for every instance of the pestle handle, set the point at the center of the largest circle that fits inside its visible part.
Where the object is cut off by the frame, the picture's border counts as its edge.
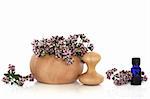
(91, 59)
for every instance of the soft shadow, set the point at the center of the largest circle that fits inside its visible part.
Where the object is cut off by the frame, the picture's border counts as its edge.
(75, 87)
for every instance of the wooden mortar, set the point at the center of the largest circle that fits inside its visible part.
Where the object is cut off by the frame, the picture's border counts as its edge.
(49, 70)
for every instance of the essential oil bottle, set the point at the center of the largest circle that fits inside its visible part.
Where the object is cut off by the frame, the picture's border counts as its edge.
(136, 72)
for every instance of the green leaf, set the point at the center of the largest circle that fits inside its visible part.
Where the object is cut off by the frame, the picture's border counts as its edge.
(6, 75)
(16, 76)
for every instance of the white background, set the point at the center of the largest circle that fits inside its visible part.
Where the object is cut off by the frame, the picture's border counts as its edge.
(119, 29)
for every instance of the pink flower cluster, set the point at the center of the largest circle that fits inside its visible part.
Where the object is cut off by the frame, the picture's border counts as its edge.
(11, 77)
(74, 45)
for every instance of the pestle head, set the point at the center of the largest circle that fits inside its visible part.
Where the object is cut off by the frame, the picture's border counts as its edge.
(91, 79)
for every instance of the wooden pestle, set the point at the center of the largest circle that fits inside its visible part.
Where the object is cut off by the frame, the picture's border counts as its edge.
(91, 77)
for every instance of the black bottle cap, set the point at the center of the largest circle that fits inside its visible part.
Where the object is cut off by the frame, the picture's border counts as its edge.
(135, 61)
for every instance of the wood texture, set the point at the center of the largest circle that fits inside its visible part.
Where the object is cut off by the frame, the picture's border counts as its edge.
(91, 77)
(50, 70)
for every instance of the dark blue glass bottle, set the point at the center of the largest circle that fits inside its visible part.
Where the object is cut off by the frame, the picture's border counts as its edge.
(136, 72)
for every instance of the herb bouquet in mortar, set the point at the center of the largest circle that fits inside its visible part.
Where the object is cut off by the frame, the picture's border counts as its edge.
(58, 60)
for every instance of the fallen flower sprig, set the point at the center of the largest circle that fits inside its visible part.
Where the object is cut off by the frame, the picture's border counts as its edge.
(122, 77)
(11, 77)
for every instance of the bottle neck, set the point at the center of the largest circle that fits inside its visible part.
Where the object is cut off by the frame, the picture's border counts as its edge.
(136, 65)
